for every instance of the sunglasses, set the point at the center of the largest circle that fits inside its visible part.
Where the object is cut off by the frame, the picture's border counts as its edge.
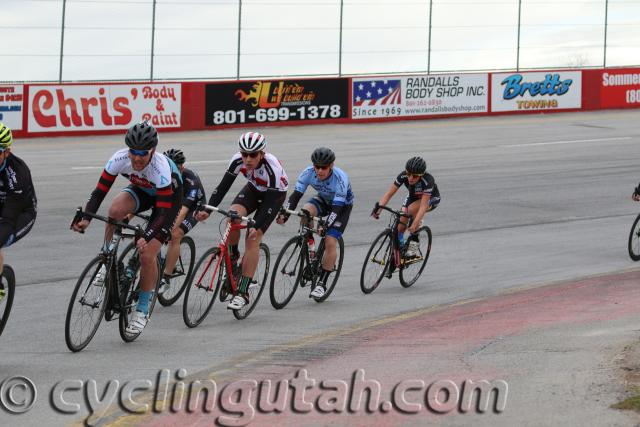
(140, 153)
(251, 155)
(414, 175)
(321, 167)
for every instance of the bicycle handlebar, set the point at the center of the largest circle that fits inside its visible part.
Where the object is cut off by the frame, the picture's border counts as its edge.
(302, 213)
(229, 214)
(80, 214)
(398, 213)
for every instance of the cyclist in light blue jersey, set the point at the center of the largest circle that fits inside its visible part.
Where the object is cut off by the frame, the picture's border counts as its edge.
(334, 199)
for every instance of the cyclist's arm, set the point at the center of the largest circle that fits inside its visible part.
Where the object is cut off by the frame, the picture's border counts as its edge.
(294, 199)
(181, 216)
(164, 218)
(97, 196)
(389, 194)
(221, 190)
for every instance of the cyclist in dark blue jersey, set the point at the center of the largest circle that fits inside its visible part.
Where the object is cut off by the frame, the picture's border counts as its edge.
(334, 199)
(192, 195)
(18, 204)
(423, 197)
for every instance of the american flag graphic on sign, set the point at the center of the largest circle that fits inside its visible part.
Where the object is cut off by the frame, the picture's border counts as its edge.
(376, 92)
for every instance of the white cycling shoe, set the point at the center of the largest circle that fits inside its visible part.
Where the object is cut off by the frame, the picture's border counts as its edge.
(237, 302)
(137, 323)
(318, 292)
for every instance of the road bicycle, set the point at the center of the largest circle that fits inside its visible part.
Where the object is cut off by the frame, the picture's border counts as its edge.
(7, 291)
(211, 274)
(386, 255)
(298, 266)
(179, 278)
(104, 290)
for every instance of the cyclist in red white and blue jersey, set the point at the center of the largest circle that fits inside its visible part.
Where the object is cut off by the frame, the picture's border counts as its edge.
(155, 183)
(334, 199)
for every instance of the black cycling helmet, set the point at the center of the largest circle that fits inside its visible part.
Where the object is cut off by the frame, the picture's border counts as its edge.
(176, 155)
(141, 136)
(416, 165)
(322, 156)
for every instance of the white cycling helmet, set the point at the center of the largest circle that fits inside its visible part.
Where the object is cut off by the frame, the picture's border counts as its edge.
(250, 142)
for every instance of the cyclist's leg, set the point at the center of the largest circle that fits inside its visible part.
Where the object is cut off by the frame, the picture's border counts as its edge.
(14, 228)
(128, 201)
(266, 211)
(179, 230)
(244, 204)
(331, 240)
(402, 225)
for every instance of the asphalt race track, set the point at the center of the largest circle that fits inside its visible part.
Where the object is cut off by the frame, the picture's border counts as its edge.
(526, 201)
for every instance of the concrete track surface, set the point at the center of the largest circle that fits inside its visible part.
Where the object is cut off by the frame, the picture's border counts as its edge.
(529, 281)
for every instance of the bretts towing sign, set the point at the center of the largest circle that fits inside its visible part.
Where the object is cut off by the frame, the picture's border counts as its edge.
(536, 91)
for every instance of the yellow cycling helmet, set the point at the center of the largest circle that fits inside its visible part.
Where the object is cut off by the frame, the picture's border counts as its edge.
(5, 137)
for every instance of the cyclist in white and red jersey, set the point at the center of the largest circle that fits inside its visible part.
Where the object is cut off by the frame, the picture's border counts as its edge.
(264, 193)
(155, 183)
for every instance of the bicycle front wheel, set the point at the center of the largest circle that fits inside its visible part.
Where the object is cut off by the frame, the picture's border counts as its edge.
(7, 290)
(87, 305)
(412, 268)
(202, 288)
(129, 302)
(179, 278)
(337, 268)
(375, 263)
(259, 281)
(634, 240)
(286, 273)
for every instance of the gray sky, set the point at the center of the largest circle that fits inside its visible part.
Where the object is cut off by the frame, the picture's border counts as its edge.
(197, 39)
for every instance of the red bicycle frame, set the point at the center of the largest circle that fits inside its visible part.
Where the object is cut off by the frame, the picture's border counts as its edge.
(224, 249)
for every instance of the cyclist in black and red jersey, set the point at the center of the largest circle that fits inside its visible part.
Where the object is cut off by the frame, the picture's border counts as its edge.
(18, 204)
(155, 183)
(192, 195)
(423, 197)
(264, 193)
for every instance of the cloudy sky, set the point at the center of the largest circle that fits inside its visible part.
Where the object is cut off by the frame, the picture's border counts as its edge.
(198, 39)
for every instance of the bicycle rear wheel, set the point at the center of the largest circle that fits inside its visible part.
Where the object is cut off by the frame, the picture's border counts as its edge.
(129, 302)
(376, 262)
(181, 272)
(86, 306)
(336, 269)
(259, 281)
(7, 290)
(634, 240)
(411, 269)
(202, 288)
(286, 273)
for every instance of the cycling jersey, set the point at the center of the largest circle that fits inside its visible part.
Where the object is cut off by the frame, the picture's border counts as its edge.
(192, 189)
(425, 185)
(268, 178)
(18, 203)
(335, 190)
(160, 179)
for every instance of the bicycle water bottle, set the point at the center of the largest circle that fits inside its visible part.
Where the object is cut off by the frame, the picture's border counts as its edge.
(312, 247)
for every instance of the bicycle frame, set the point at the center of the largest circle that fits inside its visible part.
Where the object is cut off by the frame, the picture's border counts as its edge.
(304, 229)
(224, 249)
(394, 222)
(108, 254)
